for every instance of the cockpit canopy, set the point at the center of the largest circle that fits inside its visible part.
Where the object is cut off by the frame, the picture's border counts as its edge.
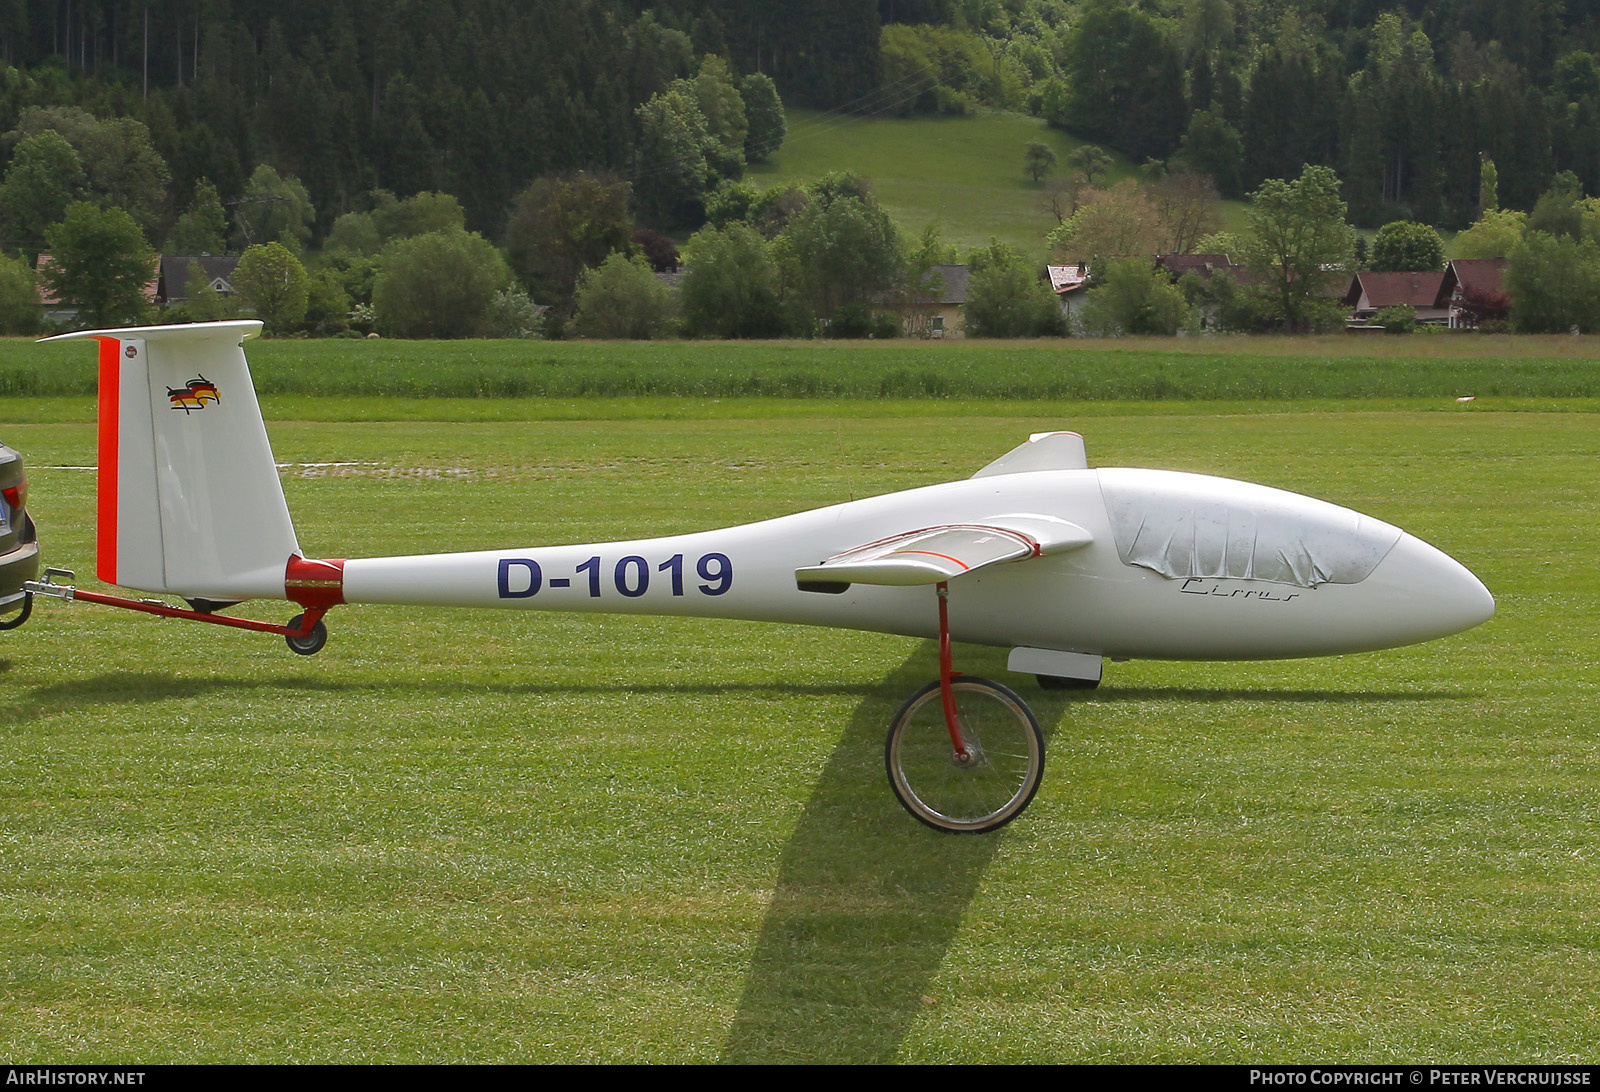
(1190, 525)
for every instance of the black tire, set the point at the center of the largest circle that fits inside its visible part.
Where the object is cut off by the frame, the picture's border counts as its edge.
(22, 615)
(998, 780)
(311, 643)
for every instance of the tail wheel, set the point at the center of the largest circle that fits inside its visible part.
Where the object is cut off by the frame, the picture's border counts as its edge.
(311, 643)
(981, 791)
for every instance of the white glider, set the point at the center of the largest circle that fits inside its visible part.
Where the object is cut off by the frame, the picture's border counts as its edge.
(1036, 552)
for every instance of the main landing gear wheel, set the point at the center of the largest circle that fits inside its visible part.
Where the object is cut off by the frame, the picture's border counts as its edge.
(311, 643)
(994, 782)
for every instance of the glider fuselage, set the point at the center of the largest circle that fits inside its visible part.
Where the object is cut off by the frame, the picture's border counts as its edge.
(1087, 600)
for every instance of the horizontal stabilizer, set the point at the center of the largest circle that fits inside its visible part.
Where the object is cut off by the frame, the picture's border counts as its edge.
(932, 554)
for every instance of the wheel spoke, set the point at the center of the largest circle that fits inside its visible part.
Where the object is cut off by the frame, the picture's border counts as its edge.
(1003, 740)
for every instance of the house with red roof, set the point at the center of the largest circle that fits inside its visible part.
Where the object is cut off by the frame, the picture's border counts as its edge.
(1474, 291)
(58, 313)
(1203, 264)
(1370, 293)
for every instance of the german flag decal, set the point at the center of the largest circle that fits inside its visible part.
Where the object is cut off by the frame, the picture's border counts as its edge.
(194, 394)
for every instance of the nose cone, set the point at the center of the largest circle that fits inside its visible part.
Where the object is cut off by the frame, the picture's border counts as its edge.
(1427, 593)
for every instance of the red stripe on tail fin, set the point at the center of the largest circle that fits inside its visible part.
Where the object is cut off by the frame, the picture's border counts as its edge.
(110, 381)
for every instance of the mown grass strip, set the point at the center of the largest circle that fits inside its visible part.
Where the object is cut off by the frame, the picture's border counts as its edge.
(1198, 369)
(1061, 413)
(489, 836)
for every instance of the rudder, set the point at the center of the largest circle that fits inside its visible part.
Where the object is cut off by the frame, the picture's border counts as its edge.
(189, 500)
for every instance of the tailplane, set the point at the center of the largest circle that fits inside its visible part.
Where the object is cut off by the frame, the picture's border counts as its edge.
(189, 499)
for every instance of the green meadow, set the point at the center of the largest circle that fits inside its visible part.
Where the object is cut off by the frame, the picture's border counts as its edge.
(494, 836)
(964, 174)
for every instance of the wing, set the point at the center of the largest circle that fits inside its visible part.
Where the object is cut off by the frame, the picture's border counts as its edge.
(1043, 451)
(932, 554)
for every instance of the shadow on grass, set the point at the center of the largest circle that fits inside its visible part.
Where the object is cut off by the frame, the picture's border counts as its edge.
(867, 902)
(1189, 693)
(128, 687)
(133, 687)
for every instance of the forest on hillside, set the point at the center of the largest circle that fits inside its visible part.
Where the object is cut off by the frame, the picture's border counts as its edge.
(476, 98)
(444, 168)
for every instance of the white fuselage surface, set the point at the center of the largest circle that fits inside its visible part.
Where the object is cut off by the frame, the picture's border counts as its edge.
(1181, 566)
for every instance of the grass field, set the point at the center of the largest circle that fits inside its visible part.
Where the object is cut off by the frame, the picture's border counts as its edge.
(460, 836)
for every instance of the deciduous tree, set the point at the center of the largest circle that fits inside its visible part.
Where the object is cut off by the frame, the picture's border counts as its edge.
(271, 281)
(838, 252)
(1133, 296)
(121, 165)
(671, 174)
(203, 228)
(1125, 82)
(1495, 234)
(727, 125)
(1116, 223)
(621, 299)
(205, 302)
(732, 288)
(1554, 284)
(127, 172)
(1298, 242)
(1186, 207)
(275, 209)
(561, 225)
(512, 314)
(437, 285)
(100, 264)
(1092, 162)
(1403, 246)
(1558, 210)
(20, 312)
(366, 233)
(417, 215)
(45, 177)
(922, 285)
(764, 110)
(1214, 147)
(1006, 297)
(1038, 160)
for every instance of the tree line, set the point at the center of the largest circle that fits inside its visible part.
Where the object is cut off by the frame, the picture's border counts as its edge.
(87, 187)
(341, 129)
(823, 259)
(469, 97)
(1404, 100)
(476, 97)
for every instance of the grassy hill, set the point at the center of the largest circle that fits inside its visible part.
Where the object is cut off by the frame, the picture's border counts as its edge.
(964, 173)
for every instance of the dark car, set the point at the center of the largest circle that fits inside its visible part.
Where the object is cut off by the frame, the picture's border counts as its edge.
(19, 541)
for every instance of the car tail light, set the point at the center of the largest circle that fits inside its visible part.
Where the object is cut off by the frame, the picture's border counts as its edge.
(17, 495)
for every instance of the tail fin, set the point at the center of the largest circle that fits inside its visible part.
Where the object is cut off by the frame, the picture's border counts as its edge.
(189, 497)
